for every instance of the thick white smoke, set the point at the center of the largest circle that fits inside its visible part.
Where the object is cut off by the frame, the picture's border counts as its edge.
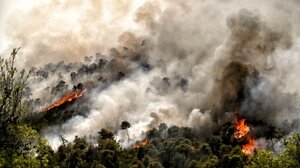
(190, 43)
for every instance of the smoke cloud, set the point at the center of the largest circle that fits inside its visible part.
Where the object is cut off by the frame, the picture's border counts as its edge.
(189, 63)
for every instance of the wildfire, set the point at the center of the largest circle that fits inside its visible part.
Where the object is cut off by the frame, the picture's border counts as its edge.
(68, 98)
(242, 131)
(249, 147)
(142, 143)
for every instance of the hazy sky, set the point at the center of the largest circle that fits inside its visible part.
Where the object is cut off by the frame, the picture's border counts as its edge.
(55, 30)
(7, 8)
(3, 12)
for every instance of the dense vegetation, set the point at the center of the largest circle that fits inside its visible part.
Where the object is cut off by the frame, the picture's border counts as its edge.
(22, 146)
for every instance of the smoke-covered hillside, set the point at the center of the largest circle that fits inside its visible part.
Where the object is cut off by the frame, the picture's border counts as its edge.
(207, 65)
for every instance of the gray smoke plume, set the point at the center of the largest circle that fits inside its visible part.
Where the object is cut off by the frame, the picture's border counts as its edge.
(189, 63)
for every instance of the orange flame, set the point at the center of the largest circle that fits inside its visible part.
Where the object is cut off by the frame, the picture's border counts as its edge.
(242, 131)
(140, 144)
(249, 147)
(68, 98)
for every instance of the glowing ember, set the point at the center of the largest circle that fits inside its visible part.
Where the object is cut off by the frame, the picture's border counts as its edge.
(68, 98)
(142, 143)
(242, 131)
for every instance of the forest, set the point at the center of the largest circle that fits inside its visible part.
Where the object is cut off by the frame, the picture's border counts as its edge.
(21, 144)
(149, 84)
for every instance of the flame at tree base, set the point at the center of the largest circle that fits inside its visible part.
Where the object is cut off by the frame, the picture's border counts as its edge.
(242, 132)
(249, 147)
(140, 144)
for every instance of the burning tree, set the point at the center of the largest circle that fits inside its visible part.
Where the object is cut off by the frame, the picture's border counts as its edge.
(242, 132)
(75, 94)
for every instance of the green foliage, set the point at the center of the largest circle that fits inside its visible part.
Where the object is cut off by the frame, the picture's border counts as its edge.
(210, 161)
(2, 158)
(21, 162)
(289, 158)
(12, 84)
(291, 154)
(105, 134)
(263, 158)
(28, 140)
(20, 145)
